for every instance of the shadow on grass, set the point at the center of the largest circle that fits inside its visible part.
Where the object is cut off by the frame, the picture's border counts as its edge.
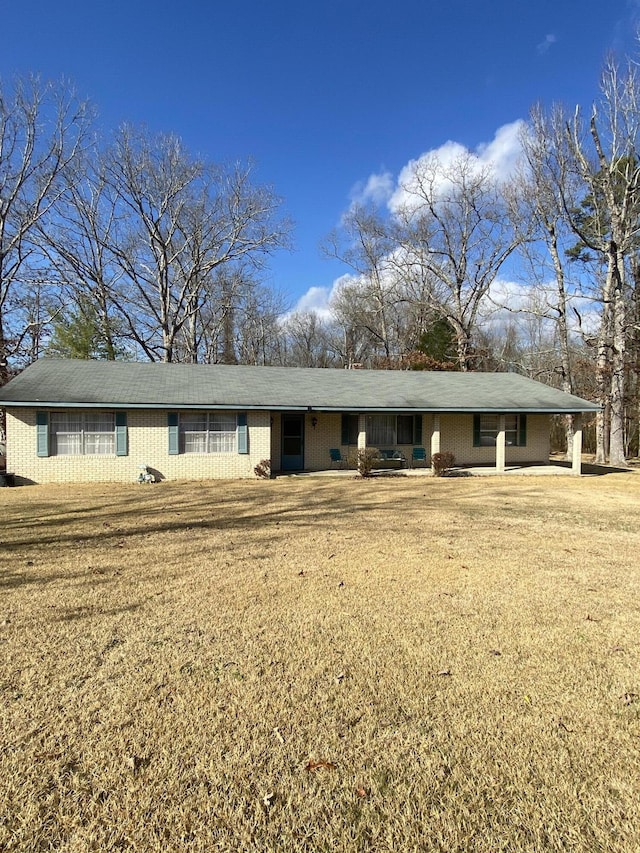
(14, 579)
(112, 523)
(70, 614)
(592, 469)
(261, 513)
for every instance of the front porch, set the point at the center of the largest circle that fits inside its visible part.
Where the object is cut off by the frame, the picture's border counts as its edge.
(317, 441)
(501, 465)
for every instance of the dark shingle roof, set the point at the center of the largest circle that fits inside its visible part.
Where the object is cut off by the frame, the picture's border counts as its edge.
(51, 382)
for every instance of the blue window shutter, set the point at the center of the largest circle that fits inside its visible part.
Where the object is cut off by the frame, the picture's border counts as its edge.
(476, 430)
(121, 434)
(417, 429)
(243, 433)
(522, 437)
(42, 433)
(174, 435)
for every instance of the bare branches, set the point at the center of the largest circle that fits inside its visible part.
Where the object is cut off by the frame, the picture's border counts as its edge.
(454, 236)
(139, 231)
(144, 229)
(43, 130)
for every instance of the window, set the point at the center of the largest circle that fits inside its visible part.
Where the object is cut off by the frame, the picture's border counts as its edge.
(349, 429)
(390, 430)
(405, 429)
(82, 433)
(381, 430)
(208, 432)
(384, 430)
(485, 430)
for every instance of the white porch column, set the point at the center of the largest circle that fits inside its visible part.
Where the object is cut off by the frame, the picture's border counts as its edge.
(576, 456)
(435, 434)
(500, 445)
(362, 432)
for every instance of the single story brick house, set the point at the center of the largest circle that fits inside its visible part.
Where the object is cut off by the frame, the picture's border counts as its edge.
(75, 421)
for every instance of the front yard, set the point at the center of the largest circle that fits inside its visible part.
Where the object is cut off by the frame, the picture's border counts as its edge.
(322, 665)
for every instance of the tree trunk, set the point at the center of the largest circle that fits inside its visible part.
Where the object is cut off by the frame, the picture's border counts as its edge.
(228, 322)
(105, 322)
(617, 429)
(563, 333)
(463, 349)
(4, 354)
(603, 373)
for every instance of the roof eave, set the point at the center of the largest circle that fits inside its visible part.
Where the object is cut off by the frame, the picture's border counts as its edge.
(458, 410)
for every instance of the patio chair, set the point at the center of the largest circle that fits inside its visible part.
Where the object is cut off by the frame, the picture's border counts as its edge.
(418, 454)
(337, 458)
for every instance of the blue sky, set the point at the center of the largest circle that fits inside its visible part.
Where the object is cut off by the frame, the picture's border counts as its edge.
(322, 95)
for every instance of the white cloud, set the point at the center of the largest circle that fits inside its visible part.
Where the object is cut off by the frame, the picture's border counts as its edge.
(500, 155)
(315, 300)
(545, 44)
(521, 301)
(506, 299)
(442, 158)
(377, 189)
(504, 150)
(518, 297)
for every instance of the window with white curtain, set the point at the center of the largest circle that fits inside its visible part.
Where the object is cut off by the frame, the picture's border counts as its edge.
(390, 430)
(381, 430)
(82, 433)
(208, 432)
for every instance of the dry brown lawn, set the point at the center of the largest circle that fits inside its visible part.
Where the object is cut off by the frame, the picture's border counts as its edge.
(320, 664)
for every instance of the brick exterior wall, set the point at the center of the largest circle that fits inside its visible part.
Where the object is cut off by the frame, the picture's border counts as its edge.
(319, 440)
(456, 435)
(148, 445)
(328, 434)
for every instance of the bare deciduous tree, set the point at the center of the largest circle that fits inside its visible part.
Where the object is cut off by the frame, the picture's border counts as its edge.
(184, 219)
(43, 128)
(604, 157)
(78, 238)
(368, 303)
(454, 235)
(308, 341)
(545, 240)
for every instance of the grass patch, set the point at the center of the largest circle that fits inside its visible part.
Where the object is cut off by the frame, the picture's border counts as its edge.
(321, 665)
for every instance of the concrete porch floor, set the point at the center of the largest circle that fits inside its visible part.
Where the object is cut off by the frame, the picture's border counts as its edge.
(555, 468)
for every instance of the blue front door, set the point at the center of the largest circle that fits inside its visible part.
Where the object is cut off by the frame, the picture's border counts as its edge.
(292, 442)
